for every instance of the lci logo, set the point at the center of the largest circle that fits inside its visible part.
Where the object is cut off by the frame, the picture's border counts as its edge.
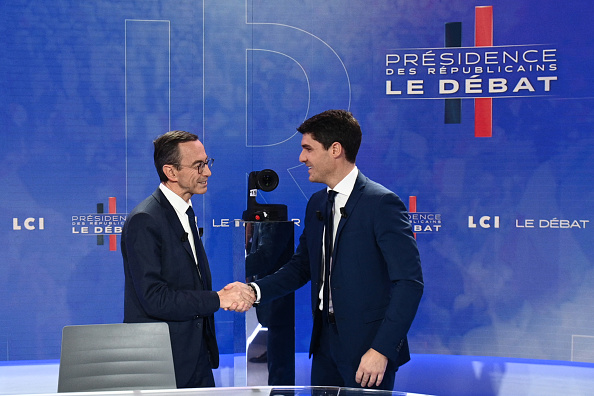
(484, 222)
(479, 73)
(30, 224)
(101, 224)
(422, 222)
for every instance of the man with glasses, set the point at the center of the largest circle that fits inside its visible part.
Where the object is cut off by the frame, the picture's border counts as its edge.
(167, 277)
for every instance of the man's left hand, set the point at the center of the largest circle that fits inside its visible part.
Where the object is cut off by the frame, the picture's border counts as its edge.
(371, 369)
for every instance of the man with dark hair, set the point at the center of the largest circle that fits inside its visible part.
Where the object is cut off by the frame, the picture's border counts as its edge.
(358, 250)
(167, 277)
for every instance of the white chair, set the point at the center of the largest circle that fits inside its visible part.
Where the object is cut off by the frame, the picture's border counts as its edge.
(122, 356)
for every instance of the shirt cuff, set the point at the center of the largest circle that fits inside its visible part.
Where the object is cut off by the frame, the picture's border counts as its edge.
(257, 291)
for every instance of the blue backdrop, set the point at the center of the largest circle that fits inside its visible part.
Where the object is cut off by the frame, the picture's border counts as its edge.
(480, 119)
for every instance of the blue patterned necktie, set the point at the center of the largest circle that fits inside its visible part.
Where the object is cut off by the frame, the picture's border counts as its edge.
(198, 246)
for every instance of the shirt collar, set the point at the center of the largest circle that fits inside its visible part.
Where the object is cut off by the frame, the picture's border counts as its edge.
(346, 185)
(175, 200)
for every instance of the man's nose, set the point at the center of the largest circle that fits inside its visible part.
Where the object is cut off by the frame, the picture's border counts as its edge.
(206, 172)
(302, 156)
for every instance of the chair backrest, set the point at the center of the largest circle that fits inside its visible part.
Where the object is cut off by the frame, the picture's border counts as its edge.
(122, 356)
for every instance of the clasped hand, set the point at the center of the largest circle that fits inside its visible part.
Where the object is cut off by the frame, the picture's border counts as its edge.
(237, 297)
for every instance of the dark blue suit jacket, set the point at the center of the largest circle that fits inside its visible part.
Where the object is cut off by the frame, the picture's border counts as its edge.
(376, 276)
(162, 283)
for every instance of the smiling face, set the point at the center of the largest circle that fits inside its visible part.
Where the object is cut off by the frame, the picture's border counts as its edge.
(321, 163)
(193, 153)
(185, 181)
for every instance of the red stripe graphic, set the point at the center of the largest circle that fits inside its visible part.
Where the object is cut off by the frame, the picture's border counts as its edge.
(113, 242)
(412, 207)
(483, 37)
(412, 204)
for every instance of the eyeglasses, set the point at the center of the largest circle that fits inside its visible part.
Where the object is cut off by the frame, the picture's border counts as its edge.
(199, 166)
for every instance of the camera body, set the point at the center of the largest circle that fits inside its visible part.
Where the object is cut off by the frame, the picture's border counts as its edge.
(265, 180)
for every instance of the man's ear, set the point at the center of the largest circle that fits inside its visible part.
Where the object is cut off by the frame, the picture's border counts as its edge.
(170, 171)
(336, 149)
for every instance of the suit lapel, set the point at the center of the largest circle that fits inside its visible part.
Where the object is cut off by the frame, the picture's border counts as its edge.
(349, 207)
(173, 220)
(178, 229)
(316, 233)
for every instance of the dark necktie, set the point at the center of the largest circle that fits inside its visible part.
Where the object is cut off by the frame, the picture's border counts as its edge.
(198, 246)
(328, 244)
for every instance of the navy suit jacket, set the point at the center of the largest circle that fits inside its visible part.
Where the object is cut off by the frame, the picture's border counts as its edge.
(162, 283)
(376, 276)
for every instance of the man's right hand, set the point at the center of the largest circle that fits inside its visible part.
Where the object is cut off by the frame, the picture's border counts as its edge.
(237, 297)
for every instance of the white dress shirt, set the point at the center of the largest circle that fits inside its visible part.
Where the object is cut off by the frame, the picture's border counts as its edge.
(181, 207)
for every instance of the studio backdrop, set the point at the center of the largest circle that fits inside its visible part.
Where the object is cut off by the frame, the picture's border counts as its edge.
(479, 115)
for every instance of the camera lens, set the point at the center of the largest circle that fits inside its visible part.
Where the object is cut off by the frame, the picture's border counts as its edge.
(267, 180)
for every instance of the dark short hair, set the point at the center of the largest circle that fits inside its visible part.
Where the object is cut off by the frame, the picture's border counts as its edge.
(335, 126)
(167, 150)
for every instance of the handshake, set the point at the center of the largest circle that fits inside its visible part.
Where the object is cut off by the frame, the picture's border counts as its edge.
(237, 296)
